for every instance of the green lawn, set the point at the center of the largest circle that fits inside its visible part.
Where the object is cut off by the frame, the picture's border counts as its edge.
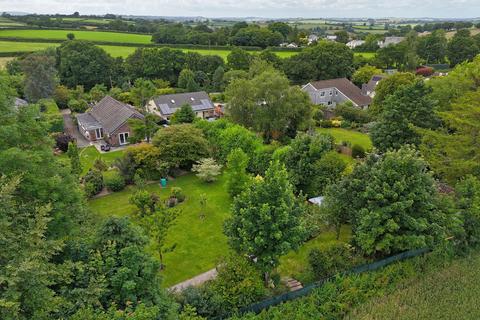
(448, 293)
(295, 263)
(200, 243)
(354, 137)
(79, 34)
(10, 46)
(90, 154)
(367, 55)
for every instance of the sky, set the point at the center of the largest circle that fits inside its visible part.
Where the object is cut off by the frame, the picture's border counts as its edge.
(255, 8)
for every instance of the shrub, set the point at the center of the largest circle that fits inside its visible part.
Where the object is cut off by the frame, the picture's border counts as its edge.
(207, 169)
(329, 261)
(358, 151)
(113, 180)
(62, 140)
(78, 105)
(352, 114)
(425, 71)
(177, 193)
(325, 123)
(93, 181)
(100, 165)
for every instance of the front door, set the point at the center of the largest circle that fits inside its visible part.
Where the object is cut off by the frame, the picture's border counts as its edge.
(123, 138)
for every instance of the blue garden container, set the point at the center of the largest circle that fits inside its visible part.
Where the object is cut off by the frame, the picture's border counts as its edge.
(163, 182)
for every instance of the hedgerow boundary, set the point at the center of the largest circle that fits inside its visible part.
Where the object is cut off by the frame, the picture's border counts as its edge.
(289, 296)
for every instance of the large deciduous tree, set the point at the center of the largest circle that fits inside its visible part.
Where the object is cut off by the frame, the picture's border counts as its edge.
(462, 48)
(268, 104)
(326, 60)
(180, 146)
(392, 204)
(40, 75)
(83, 63)
(265, 221)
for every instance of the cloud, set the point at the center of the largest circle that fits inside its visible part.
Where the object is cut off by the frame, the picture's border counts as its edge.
(263, 8)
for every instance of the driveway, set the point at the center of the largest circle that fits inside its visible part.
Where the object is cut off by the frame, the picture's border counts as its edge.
(69, 127)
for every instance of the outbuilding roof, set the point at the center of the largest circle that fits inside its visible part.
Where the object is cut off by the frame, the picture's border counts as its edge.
(169, 103)
(346, 87)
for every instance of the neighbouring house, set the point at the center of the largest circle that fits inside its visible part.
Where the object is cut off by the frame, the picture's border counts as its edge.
(316, 200)
(388, 41)
(292, 45)
(332, 38)
(312, 38)
(368, 89)
(355, 43)
(108, 121)
(334, 91)
(166, 105)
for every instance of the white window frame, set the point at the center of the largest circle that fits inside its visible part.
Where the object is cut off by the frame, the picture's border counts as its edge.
(125, 138)
(98, 133)
(322, 94)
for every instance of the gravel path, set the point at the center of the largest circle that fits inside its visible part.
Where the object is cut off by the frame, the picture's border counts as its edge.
(70, 128)
(195, 281)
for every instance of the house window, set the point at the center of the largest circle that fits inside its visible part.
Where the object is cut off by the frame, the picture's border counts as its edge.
(99, 133)
(123, 138)
(336, 92)
(329, 103)
(322, 94)
(331, 92)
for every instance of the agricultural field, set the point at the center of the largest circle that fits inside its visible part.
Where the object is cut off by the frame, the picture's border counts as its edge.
(353, 137)
(200, 242)
(7, 23)
(11, 46)
(79, 34)
(448, 293)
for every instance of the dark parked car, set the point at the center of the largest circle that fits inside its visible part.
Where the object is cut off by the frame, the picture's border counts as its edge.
(105, 147)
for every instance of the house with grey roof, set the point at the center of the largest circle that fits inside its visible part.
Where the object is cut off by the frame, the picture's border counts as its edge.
(388, 41)
(166, 105)
(355, 43)
(336, 91)
(368, 89)
(108, 121)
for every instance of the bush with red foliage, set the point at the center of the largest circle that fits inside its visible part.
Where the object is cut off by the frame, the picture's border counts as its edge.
(424, 71)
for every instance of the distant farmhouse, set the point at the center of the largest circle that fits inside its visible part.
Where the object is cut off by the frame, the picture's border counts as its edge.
(312, 38)
(390, 41)
(355, 43)
(166, 105)
(335, 91)
(108, 120)
(368, 89)
(332, 38)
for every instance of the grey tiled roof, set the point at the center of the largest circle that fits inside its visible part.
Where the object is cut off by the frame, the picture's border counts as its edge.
(168, 104)
(110, 114)
(88, 122)
(346, 87)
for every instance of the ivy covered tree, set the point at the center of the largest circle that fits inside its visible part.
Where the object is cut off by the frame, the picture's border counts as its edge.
(40, 75)
(266, 221)
(409, 107)
(237, 176)
(143, 128)
(142, 91)
(387, 87)
(462, 47)
(72, 153)
(391, 203)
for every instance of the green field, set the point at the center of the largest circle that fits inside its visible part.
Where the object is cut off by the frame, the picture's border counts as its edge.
(448, 293)
(200, 242)
(354, 137)
(10, 46)
(79, 34)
